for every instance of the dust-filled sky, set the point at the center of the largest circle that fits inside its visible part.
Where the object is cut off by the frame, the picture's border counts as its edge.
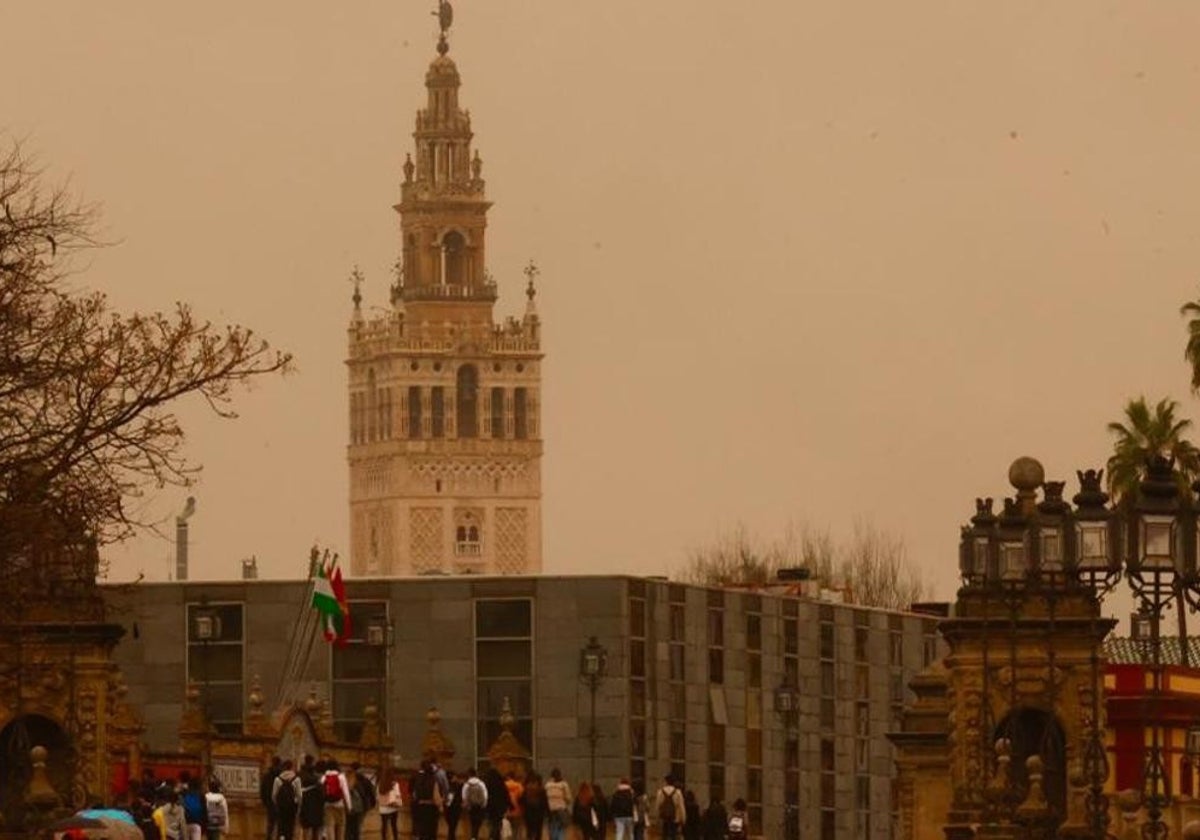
(801, 262)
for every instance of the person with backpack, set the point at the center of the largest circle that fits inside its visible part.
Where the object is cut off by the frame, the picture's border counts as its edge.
(533, 802)
(474, 799)
(195, 813)
(217, 809)
(285, 798)
(362, 801)
(312, 800)
(739, 822)
(337, 800)
(668, 805)
(558, 802)
(266, 792)
(621, 806)
(390, 802)
(716, 821)
(425, 802)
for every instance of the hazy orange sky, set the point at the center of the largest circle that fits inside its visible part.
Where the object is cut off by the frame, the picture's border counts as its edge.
(800, 262)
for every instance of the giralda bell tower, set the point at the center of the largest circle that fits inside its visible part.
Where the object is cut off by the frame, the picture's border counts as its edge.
(445, 441)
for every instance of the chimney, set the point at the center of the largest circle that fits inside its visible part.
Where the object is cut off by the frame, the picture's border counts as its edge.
(250, 568)
(181, 538)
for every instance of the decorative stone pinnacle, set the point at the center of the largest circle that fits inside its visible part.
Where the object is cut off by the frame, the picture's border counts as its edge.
(531, 272)
(356, 277)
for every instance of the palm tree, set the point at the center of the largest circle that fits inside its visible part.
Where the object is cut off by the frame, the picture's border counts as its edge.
(1145, 434)
(1191, 350)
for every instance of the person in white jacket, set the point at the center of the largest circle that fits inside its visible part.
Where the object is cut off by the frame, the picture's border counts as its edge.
(217, 808)
(390, 803)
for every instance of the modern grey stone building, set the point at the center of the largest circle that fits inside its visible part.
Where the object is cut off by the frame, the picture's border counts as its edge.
(781, 700)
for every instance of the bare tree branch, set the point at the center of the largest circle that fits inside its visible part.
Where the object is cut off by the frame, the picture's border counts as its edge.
(87, 395)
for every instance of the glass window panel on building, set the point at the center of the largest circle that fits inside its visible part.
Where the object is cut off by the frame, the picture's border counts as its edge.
(503, 669)
(358, 670)
(215, 662)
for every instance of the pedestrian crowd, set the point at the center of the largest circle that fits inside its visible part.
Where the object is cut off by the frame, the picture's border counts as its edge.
(320, 801)
(179, 810)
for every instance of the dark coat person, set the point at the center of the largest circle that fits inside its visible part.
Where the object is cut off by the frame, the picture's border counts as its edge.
(498, 802)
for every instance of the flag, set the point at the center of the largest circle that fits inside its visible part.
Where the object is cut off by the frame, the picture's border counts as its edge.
(343, 619)
(325, 602)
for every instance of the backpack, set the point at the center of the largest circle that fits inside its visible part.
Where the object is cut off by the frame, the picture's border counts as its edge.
(285, 799)
(423, 786)
(216, 819)
(193, 808)
(621, 803)
(476, 794)
(333, 787)
(369, 797)
(356, 801)
(737, 825)
(666, 808)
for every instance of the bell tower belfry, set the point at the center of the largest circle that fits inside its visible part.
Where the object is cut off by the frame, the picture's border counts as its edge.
(445, 437)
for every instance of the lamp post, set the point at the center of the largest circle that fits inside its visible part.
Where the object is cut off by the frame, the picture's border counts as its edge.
(593, 665)
(1150, 539)
(206, 626)
(787, 706)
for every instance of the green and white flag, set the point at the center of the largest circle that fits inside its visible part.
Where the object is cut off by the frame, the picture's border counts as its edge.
(325, 602)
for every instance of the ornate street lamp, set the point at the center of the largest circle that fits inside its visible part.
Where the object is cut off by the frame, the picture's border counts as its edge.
(206, 627)
(1150, 539)
(380, 636)
(593, 667)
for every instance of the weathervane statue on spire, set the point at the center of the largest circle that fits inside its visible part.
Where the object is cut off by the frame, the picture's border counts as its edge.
(445, 16)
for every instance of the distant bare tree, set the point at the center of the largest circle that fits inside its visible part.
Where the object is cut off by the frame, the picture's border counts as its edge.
(87, 394)
(872, 568)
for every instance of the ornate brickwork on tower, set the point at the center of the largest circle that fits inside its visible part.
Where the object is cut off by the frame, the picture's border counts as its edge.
(445, 440)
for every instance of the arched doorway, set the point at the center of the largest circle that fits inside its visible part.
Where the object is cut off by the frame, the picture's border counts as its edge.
(1033, 731)
(20, 736)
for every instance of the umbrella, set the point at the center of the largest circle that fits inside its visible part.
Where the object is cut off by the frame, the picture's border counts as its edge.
(75, 821)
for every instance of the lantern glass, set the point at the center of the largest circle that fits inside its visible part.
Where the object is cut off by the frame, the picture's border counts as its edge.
(1012, 560)
(1052, 554)
(205, 628)
(979, 557)
(1093, 545)
(1158, 541)
(1193, 741)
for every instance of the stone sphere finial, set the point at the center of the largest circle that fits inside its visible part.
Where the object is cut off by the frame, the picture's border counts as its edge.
(433, 717)
(1026, 474)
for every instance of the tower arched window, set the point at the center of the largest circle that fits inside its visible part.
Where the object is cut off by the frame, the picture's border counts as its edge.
(454, 259)
(467, 401)
(372, 406)
(466, 536)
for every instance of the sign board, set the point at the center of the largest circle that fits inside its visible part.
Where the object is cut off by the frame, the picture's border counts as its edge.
(239, 778)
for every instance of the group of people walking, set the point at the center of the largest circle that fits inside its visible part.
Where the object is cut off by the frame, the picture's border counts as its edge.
(318, 801)
(180, 809)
